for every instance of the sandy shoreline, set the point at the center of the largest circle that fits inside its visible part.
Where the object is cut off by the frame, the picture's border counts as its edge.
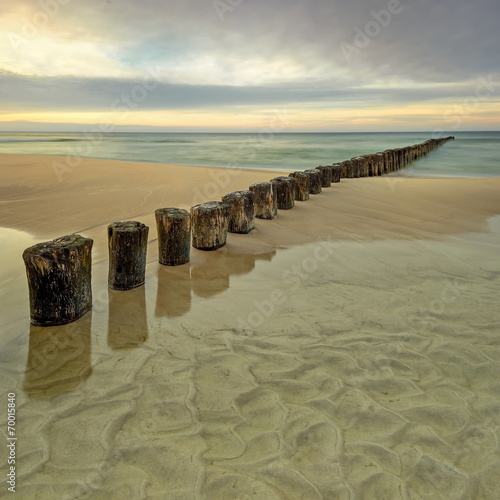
(374, 375)
(40, 198)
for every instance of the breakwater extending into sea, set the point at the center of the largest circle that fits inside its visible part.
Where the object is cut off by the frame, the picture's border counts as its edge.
(474, 154)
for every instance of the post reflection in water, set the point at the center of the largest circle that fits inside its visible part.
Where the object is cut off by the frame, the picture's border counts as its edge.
(173, 296)
(210, 273)
(58, 358)
(127, 321)
(207, 275)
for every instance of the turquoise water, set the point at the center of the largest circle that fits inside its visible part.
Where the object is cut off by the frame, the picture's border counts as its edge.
(473, 154)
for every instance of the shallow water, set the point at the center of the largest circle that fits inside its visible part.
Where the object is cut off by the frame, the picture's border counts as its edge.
(471, 154)
(329, 370)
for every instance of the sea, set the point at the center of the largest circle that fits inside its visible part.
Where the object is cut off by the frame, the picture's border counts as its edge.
(471, 154)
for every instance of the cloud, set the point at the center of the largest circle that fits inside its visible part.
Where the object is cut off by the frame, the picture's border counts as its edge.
(452, 40)
(87, 55)
(150, 93)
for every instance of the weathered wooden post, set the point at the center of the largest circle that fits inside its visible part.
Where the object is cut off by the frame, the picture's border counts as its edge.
(363, 165)
(59, 279)
(326, 175)
(379, 162)
(266, 205)
(285, 192)
(301, 186)
(336, 172)
(314, 181)
(210, 222)
(346, 169)
(387, 161)
(241, 211)
(354, 167)
(174, 236)
(404, 156)
(399, 158)
(127, 246)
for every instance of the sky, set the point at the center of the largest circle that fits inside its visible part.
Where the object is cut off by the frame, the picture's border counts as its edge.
(245, 65)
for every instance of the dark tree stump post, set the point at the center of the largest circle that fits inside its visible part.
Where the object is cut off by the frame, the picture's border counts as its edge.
(336, 173)
(285, 192)
(59, 279)
(379, 159)
(127, 245)
(241, 211)
(301, 186)
(326, 175)
(346, 169)
(174, 236)
(266, 205)
(210, 223)
(314, 181)
(363, 166)
(354, 167)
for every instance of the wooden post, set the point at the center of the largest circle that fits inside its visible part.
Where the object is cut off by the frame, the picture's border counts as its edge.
(127, 246)
(346, 169)
(210, 222)
(241, 211)
(379, 162)
(336, 172)
(326, 175)
(174, 236)
(314, 181)
(301, 186)
(399, 157)
(354, 167)
(285, 192)
(362, 166)
(59, 280)
(266, 205)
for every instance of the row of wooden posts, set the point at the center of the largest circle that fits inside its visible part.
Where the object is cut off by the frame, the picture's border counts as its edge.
(59, 271)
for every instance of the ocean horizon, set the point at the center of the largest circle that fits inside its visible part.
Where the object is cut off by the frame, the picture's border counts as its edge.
(472, 154)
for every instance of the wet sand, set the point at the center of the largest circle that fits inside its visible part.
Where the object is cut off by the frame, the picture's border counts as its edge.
(348, 349)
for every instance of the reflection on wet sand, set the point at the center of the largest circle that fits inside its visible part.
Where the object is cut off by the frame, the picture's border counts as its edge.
(173, 296)
(58, 359)
(207, 275)
(210, 274)
(127, 322)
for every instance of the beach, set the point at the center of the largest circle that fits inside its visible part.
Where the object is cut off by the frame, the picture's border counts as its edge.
(347, 349)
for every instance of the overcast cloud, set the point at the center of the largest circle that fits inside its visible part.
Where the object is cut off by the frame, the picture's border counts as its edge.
(207, 53)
